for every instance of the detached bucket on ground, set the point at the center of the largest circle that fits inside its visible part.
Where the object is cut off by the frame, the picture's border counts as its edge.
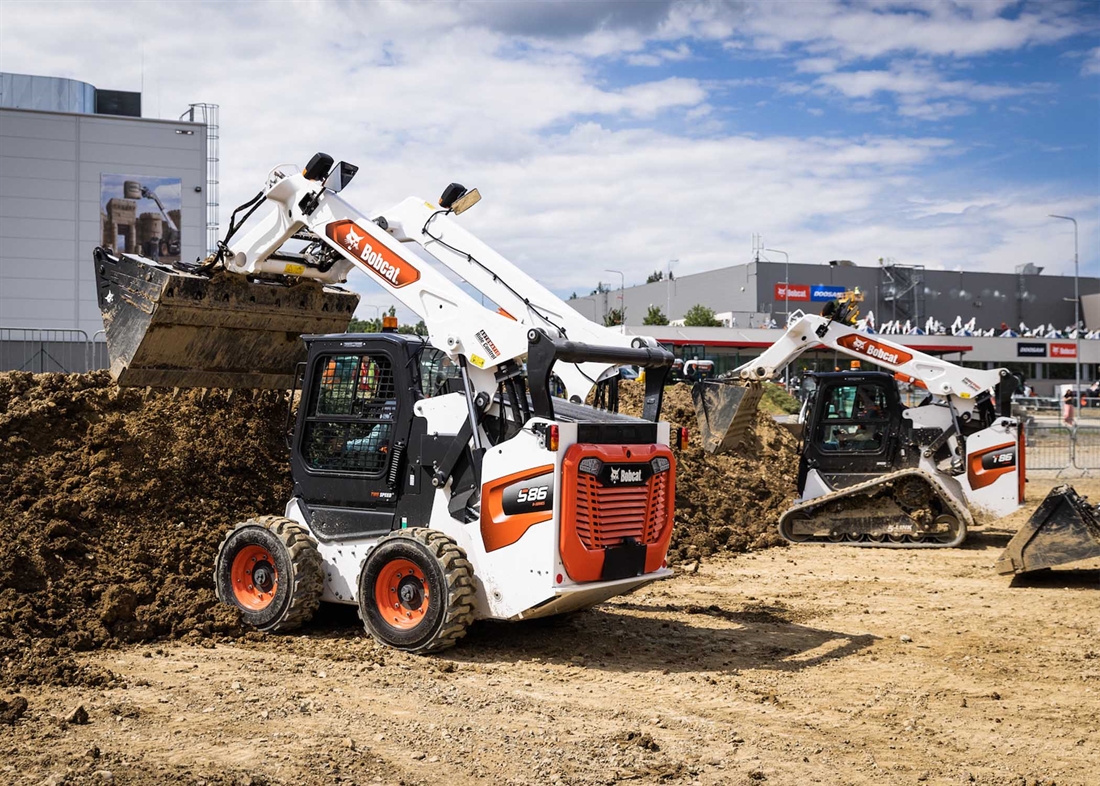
(1062, 530)
(725, 411)
(166, 328)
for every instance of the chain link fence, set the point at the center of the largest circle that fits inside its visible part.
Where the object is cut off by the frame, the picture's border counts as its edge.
(42, 350)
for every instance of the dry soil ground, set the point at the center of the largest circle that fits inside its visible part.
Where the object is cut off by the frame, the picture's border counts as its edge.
(816, 664)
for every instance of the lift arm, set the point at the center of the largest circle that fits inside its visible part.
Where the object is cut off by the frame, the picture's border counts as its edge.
(909, 365)
(519, 295)
(456, 322)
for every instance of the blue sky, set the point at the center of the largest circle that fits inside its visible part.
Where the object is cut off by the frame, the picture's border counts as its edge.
(622, 135)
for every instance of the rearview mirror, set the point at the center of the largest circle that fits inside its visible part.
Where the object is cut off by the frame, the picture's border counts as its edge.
(340, 176)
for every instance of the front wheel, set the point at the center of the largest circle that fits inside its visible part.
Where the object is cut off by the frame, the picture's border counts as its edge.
(416, 591)
(269, 568)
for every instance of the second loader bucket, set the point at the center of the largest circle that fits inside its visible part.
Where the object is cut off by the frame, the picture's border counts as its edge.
(725, 411)
(168, 328)
(1063, 529)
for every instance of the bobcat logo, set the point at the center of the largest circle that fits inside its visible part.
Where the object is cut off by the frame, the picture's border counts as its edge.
(352, 240)
(614, 474)
(858, 344)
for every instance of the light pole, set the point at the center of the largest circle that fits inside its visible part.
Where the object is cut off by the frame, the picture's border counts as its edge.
(622, 303)
(377, 313)
(786, 279)
(1076, 314)
(668, 290)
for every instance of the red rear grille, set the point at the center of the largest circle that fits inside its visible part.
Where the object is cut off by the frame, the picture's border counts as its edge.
(606, 516)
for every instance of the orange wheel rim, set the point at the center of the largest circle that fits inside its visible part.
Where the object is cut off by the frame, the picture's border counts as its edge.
(255, 580)
(401, 593)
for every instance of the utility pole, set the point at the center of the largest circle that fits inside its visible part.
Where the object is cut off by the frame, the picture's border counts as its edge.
(1076, 314)
(622, 303)
(668, 290)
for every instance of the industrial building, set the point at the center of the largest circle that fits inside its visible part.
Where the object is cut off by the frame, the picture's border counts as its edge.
(750, 297)
(79, 168)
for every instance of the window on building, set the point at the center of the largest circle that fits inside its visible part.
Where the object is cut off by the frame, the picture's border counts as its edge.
(1027, 369)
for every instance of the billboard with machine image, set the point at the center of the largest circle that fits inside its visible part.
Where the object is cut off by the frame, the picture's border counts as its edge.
(140, 214)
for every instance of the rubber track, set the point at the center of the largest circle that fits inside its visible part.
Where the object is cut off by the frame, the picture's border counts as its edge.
(458, 573)
(962, 515)
(308, 579)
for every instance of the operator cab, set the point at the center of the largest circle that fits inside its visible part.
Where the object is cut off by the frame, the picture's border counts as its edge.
(852, 427)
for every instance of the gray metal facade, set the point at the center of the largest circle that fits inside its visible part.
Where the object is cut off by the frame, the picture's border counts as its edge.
(751, 288)
(50, 167)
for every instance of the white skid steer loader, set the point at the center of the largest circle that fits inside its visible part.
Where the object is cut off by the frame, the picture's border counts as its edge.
(436, 481)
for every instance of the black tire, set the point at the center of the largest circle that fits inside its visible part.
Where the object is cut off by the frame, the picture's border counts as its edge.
(434, 600)
(293, 554)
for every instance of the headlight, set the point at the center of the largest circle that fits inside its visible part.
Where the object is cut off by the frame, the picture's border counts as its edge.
(590, 466)
(660, 464)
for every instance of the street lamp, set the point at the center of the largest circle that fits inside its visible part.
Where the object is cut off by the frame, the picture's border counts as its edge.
(1076, 313)
(786, 278)
(622, 303)
(377, 312)
(668, 290)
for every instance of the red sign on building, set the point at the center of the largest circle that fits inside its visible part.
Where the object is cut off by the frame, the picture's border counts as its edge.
(1063, 350)
(792, 292)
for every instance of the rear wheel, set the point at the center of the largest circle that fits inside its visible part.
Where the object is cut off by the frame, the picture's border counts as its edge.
(270, 569)
(947, 528)
(789, 524)
(416, 591)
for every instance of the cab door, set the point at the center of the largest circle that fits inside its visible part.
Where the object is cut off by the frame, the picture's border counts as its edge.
(352, 426)
(854, 429)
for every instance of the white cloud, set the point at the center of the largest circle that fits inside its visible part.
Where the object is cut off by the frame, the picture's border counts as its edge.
(660, 56)
(923, 93)
(863, 30)
(817, 65)
(577, 174)
(1091, 66)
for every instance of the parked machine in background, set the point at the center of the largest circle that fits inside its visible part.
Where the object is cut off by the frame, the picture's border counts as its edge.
(874, 472)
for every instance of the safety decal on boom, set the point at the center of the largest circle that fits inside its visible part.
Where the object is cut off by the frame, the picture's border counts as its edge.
(875, 350)
(358, 243)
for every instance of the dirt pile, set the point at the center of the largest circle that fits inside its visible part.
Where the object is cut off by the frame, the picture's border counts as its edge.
(730, 502)
(113, 502)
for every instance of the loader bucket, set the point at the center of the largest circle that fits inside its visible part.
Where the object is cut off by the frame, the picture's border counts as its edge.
(725, 411)
(168, 328)
(1063, 529)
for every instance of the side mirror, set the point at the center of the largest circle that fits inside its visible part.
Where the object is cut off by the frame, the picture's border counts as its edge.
(340, 176)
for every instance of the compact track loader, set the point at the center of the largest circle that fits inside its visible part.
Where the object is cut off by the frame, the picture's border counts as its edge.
(436, 481)
(876, 473)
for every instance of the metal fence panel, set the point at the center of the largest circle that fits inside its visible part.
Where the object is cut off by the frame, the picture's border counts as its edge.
(1048, 447)
(1086, 451)
(42, 350)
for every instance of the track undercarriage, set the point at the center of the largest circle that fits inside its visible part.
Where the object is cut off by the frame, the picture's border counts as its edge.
(904, 509)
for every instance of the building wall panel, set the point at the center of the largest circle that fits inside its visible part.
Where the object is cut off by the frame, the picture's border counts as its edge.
(50, 169)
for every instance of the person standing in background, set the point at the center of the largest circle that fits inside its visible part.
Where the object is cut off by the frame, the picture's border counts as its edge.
(1069, 401)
